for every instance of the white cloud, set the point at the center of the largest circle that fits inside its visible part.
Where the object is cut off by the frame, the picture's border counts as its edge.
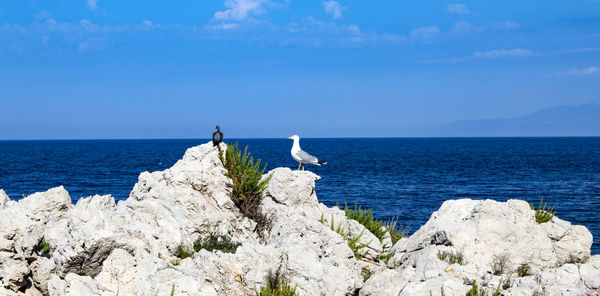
(425, 32)
(459, 9)
(464, 27)
(579, 72)
(239, 10)
(92, 4)
(503, 53)
(334, 8)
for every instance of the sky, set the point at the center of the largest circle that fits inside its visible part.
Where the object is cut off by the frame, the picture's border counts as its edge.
(96, 69)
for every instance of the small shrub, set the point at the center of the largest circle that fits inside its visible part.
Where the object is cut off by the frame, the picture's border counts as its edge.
(246, 187)
(572, 260)
(500, 264)
(213, 242)
(524, 270)
(356, 247)
(543, 215)
(183, 252)
(385, 257)
(276, 286)
(365, 217)
(451, 257)
(474, 289)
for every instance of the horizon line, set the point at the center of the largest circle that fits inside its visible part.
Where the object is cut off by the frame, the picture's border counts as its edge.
(283, 138)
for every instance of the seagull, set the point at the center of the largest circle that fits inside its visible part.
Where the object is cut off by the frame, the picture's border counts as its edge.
(301, 156)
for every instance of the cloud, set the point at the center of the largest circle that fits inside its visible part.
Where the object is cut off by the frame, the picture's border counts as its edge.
(580, 72)
(239, 10)
(503, 53)
(463, 27)
(92, 4)
(334, 8)
(459, 9)
(507, 25)
(424, 32)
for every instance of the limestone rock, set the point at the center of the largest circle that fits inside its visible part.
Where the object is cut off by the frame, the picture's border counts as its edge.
(99, 247)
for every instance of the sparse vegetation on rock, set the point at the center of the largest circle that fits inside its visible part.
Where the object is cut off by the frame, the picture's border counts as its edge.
(213, 242)
(451, 257)
(543, 215)
(247, 183)
(276, 286)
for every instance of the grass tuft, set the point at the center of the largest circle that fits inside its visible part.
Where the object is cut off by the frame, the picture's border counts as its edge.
(500, 264)
(524, 270)
(543, 215)
(247, 187)
(213, 242)
(474, 289)
(183, 252)
(276, 286)
(451, 257)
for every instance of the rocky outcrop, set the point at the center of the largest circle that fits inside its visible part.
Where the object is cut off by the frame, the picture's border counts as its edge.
(99, 247)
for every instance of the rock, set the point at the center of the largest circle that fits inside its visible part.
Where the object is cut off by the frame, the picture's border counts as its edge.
(4, 199)
(99, 247)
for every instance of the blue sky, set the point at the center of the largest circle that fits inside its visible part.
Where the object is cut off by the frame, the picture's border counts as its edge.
(174, 69)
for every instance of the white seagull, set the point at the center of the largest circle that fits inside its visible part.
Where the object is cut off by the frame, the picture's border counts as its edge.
(301, 156)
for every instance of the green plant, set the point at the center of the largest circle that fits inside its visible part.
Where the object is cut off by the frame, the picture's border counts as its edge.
(395, 233)
(183, 252)
(572, 260)
(474, 289)
(247, 184)
(385, 257)
(357, 247)
(222, 243)
(499, 264)
(45, 247)
(442, 292)
(451, 257)
(524, 270)
(497, 293)
(276, 286)
(365, 217)
(543, 215)
(173, 290)
(366, 273)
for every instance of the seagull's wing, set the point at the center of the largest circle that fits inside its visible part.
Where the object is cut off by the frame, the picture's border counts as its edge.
(307, 157)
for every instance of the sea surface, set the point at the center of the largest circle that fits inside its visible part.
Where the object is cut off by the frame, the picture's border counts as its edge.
(403, 178)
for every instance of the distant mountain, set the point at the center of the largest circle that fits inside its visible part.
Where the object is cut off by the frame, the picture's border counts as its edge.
(582, 120)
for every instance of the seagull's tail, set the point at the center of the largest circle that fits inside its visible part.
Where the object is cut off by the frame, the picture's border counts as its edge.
(320, 162)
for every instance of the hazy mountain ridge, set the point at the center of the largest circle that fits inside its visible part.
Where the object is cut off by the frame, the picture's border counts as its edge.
(581, 120)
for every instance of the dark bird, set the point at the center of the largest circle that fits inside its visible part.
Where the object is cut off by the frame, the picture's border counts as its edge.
(217, 136)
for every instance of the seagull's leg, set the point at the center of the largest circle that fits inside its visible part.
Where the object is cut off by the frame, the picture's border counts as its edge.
(302, 166)
(299, 164)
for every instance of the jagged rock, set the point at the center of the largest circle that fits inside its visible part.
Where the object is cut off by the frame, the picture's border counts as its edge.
(4, 199)
(99, 247)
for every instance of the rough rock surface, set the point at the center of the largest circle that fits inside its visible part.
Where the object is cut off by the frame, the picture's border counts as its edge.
(99, 247)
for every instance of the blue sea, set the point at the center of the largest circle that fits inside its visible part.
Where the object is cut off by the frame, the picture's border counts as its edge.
(403, 178)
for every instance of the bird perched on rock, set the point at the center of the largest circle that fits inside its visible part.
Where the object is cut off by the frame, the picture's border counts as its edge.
(217, 136)
(301, 156)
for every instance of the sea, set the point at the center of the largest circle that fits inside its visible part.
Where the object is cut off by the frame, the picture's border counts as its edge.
(399, 178)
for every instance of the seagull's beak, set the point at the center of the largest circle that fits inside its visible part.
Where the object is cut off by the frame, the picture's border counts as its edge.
(289, 138)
